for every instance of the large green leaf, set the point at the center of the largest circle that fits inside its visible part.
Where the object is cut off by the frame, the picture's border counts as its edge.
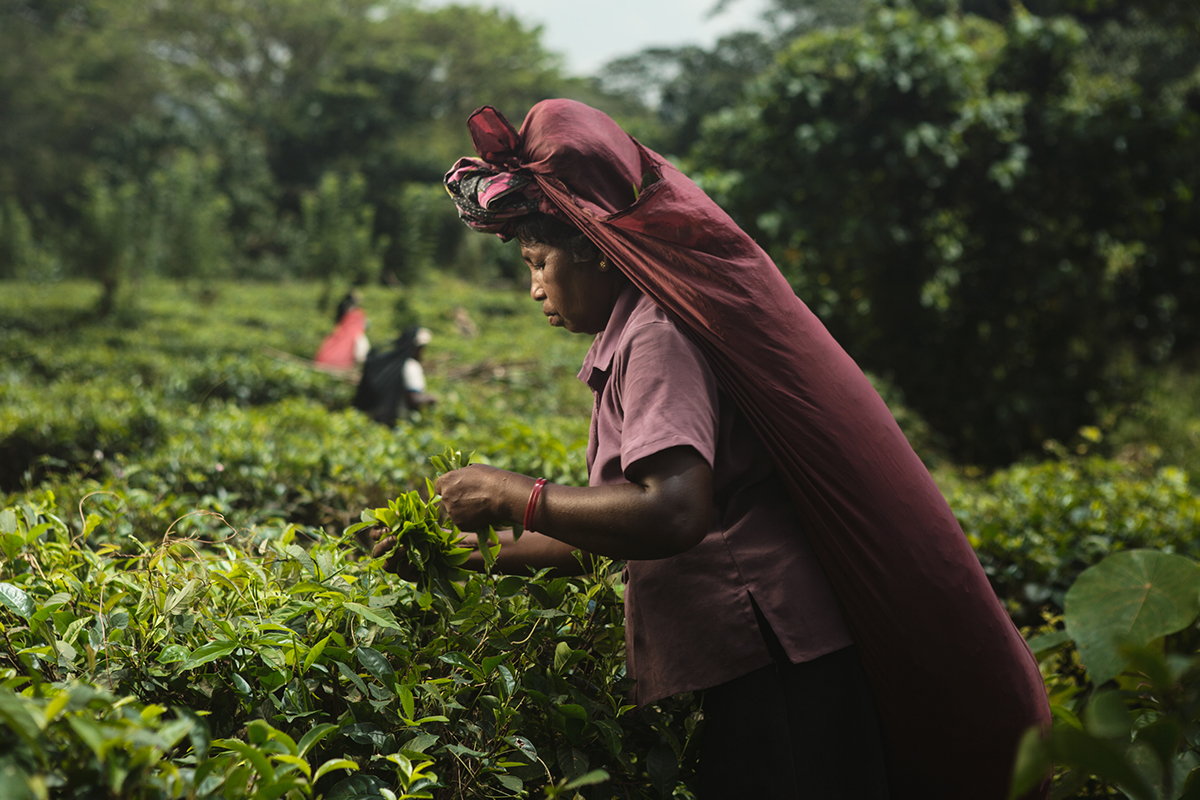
(358, 787)
(376, 664)
(1133, 597)
(663, 769)
(16, 600)
(380, 616)
(210, 652)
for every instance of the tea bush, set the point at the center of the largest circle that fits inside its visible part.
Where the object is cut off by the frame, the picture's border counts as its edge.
(1036, 527)
(254, 667)
(188, 609)
(192, 407)
(1124, 684)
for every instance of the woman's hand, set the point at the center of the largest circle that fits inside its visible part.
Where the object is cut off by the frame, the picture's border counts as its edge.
(383, 543)
(665, 509)
(478, 496)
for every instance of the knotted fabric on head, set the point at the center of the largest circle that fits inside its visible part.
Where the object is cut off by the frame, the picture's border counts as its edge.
(932, 635)
(489, 199)
(491, 191)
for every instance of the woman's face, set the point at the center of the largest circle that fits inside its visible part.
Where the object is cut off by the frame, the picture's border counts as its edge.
(576, 295)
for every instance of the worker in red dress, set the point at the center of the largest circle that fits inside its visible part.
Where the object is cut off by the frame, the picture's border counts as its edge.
(347, 346)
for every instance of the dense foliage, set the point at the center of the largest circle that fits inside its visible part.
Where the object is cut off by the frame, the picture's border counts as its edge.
(188, 606)
(992, 204)
(1011, 187)
(290, 671)
(1000, 196)
(141, 136)
(1124, 684)
(1036, 527)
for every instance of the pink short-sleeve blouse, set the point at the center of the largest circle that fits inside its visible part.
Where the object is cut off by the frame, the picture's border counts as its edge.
(689, 620)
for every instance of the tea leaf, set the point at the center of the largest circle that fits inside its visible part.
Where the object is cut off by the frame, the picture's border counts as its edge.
(300, 554)
(663, 768)
(50, 605)
(332, 764)
(572, 761)
(590, 779)
(562, 656)
(381, 616)
(209, 652)
(406, 701)
(252, 754)
(310, 739)
(352, 676)
(376, 664)
(359, 787)
(16, 600)
(314, 653)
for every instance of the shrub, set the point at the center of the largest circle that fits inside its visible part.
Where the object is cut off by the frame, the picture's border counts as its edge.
(1124, 684)
(258, 667)
(1035, 528)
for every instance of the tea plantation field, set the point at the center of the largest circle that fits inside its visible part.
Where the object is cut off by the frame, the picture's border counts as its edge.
(186, 608)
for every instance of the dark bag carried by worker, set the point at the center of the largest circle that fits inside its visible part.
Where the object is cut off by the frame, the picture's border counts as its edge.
(381, 393)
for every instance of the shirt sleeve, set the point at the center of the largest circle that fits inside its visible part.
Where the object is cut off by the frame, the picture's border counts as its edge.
(414, 375)
(667, 394)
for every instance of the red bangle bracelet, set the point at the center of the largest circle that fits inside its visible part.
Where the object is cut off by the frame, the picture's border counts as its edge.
(533, 498)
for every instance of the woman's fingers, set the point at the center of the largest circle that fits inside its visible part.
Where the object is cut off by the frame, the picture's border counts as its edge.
(470, 495)
(396, 563)
(382, 546)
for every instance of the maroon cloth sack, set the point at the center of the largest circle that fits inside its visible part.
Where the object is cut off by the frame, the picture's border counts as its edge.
(955, 683)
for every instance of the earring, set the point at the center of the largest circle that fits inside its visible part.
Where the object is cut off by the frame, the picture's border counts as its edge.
(603, 265)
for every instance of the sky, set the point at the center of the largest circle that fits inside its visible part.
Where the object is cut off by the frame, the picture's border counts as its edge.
(588, 35)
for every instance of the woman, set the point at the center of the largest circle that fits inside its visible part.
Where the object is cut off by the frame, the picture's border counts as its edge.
(393, 380)
(682, 490)
(704, 336)
(347, 345)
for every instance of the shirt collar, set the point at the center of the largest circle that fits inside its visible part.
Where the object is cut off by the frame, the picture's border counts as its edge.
(604, 346)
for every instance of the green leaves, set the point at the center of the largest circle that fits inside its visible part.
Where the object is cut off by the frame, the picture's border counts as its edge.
(375, 663)
(209, 652)
(968, 141)
(1034, 527)
(467, 676)
(272, 620)
(1132, 597)
(16, 600)
(421, 539)
(379, 616)
(1118, 615)
(450, 460)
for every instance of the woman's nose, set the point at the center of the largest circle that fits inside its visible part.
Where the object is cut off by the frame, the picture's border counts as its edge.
(535, 289)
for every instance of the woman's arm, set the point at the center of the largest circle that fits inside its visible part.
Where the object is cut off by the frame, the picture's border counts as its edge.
(665, 509)
(532, 550)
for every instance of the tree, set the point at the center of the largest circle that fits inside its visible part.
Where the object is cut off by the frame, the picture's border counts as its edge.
(683, 85)
(277, 92)
(970, 211)
(337, 226)
(74, 78)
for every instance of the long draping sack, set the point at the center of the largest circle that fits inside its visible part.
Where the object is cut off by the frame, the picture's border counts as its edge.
(955, 683)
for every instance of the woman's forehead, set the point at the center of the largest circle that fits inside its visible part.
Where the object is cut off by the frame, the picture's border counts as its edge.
(538, 250)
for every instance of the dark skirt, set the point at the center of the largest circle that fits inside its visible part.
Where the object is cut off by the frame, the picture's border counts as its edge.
(807, 730)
